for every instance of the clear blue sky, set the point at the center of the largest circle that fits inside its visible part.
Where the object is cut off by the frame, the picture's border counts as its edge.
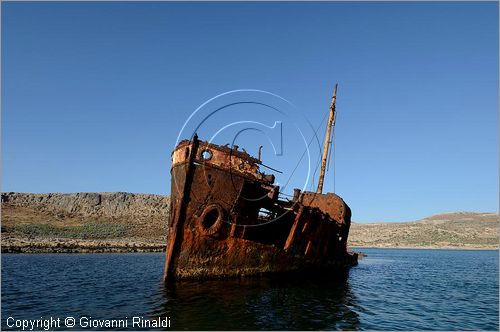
(94, 94)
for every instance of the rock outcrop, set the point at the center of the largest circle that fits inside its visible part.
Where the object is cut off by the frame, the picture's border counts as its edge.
(84, 222)
(112, 205)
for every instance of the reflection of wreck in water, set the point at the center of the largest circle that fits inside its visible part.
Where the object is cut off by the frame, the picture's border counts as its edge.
(227, 220)
(297, 303)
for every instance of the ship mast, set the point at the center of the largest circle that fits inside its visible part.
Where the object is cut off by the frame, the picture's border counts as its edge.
(328, 141)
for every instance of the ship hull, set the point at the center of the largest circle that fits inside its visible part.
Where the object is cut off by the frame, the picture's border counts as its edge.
(217, 230)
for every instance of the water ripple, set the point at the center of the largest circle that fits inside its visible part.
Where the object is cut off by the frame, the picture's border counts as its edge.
(388, 290)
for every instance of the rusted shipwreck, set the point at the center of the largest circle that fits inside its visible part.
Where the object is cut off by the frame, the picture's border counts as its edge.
(227, 219)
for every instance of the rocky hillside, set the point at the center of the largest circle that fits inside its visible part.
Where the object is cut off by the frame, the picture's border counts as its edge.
(103, 222)
(111, 205)
(79, 222)
(448, 230)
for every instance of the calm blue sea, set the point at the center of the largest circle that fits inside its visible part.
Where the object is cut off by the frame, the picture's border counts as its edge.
(390, 289)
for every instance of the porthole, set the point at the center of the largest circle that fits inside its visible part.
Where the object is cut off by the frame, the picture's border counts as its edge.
(211, 221)
(210, 218)
(206, 155)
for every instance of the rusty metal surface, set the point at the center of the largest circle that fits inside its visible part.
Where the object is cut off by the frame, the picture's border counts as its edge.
(217, 225)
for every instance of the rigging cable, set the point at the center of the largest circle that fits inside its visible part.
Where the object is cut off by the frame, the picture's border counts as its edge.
(307, 148)
(334, 149)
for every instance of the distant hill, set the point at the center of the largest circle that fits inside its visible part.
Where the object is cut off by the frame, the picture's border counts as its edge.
(125, 222)
(447, 230)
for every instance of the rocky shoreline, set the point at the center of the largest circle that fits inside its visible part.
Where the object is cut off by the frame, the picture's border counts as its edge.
(69, 246)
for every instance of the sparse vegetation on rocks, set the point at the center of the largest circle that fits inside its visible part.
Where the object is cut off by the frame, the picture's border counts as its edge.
(84, 222)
